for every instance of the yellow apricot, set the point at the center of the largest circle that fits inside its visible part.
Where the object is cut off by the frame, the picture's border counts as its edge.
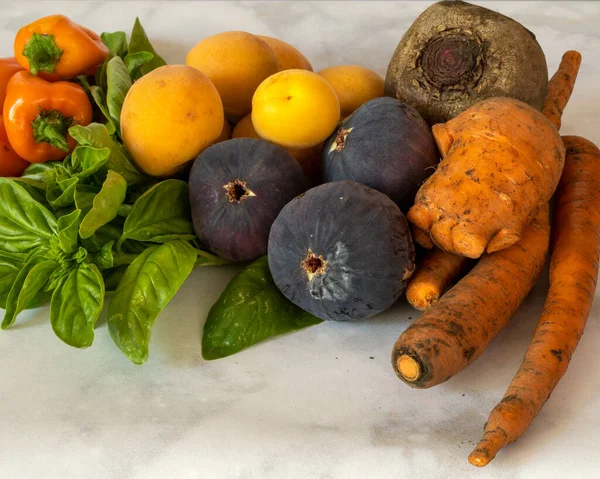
(309, 158)
(354, 85)
(295, 109)
(245, 128)
(169, 116)
(288, 57)
(236, 62)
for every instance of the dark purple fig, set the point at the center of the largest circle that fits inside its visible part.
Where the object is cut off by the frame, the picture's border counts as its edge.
(386, 145)
(237, 189)
(341, 251)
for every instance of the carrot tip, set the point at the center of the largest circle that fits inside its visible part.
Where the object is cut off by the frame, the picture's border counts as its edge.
(408, 368)
(478, 459)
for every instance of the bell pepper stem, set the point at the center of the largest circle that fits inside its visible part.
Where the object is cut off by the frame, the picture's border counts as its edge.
(51, 127)
(42, 52)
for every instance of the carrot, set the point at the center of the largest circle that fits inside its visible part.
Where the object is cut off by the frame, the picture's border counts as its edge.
(561, 86)
(454, 332)
(422, 238)
(573, 273)
(433, 276)
(502, 160)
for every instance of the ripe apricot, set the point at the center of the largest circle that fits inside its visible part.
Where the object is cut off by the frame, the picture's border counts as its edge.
(245, 128)
(288, 57)
(236, 62)
(309, 158)
(354, 85)
(169, 116)
(295, 109)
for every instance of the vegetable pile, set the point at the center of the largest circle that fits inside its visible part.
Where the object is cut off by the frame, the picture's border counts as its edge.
(120, 174)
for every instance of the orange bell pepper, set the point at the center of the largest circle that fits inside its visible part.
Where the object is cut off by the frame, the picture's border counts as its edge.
(8, 67)
(58, 49)
(38, 114)
(10, 163)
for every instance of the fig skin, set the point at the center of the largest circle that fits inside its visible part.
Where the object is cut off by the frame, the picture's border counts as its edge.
(237, 189)
(456, 54)
(342, 251)
(386, 145)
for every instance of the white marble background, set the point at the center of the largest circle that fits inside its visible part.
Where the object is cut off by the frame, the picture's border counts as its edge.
(321, 403)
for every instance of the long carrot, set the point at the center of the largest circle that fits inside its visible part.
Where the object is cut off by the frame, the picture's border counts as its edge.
(573, 273)
(454, 332)
(561, 86)
(433, 276)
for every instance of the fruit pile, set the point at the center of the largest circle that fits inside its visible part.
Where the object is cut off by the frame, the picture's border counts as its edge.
(119, 174)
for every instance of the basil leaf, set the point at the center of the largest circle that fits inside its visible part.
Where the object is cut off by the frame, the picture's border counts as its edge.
(62, 193)
(119, 82)
(29, 281)
(88, 160)
(10, 265)
(25, 224)
(35, 188)
(97, 135)
(161, 214)
(105, 258)
(134, 63)
(100, 99)
(149, 284)
(139, 43)
(38, 171)
(116, 43)
(250, 310)
(68, 227)
(106, 204)
(76, 305)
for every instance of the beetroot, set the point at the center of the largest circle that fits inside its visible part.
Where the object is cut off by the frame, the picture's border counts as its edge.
(456, 54)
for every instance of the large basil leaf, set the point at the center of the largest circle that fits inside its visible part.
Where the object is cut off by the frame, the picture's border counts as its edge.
(35, 188)
(68, 227)
(106, 204)
(119, 82)
(10, 265)
(27, 284)
(98, 136)
(139, 43)
(116, 43)
(76, 305)
(25, 224)
(134, 63)
(149, 284)
(250, 310)
(161, 214)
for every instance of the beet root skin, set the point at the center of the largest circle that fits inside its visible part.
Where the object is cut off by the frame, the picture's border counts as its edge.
(386, 145)
(342, 251)
(456, 54)
(237, 189)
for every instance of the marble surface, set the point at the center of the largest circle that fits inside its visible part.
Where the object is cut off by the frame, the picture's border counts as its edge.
(320, 403)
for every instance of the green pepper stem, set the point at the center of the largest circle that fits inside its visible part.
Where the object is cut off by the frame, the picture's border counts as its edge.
(42, 52)
(51, 127)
